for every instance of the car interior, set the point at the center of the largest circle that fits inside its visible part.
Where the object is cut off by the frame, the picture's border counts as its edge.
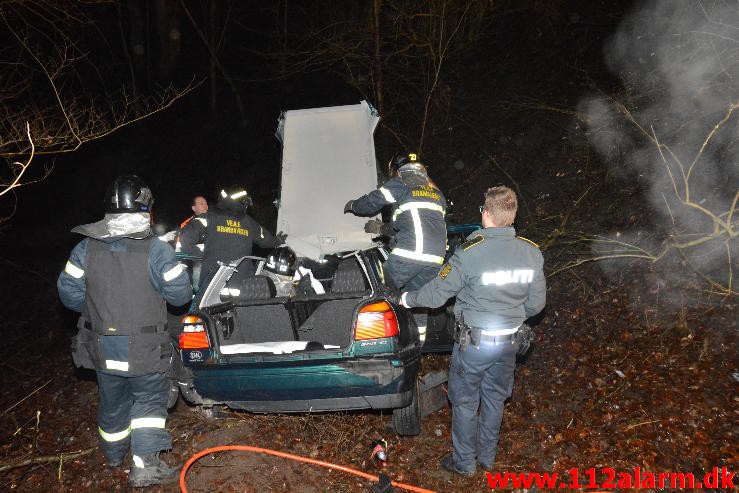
(256, 320)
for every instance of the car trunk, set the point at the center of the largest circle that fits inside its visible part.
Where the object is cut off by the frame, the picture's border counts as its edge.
(247, 317)
(324, 149)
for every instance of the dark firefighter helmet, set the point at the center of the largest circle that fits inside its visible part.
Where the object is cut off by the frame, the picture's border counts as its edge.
(128, 193)
(281, 261)
(406, 162)
(238, 194)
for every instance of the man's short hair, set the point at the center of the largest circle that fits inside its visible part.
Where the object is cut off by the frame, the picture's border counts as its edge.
(501, 204)
(195, 199)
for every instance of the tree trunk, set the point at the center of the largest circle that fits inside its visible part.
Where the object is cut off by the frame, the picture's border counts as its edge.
(168, 25)
(378, 59)
(213, 49)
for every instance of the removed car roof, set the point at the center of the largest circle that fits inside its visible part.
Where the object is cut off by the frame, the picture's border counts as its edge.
(328, 158)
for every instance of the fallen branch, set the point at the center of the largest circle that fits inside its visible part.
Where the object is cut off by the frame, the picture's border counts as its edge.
(47, 458)
(26, 397)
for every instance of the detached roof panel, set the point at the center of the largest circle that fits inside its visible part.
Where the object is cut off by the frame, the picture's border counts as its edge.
(328, 158)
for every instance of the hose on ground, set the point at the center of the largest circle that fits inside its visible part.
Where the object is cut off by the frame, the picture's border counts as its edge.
(285, 455)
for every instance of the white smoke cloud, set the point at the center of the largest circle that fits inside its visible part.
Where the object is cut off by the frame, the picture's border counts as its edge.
(679, 65)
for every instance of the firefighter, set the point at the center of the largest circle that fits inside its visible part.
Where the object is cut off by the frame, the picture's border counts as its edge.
(290, 276)
(417, 225)
(227, 233)
(120, 277)
(498, 280)
(280, 266)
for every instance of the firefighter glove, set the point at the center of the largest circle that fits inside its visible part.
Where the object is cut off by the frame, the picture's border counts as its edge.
(281, 237)
(373, 226)
(348, 207)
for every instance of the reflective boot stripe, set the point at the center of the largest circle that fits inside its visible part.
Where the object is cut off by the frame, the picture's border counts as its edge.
(114, 437)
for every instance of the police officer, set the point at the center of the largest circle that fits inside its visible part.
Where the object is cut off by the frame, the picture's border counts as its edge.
(498, 280)
(417, 225)
(119, 277)
(227, 233)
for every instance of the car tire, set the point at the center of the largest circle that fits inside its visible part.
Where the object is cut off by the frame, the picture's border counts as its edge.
(407, 420)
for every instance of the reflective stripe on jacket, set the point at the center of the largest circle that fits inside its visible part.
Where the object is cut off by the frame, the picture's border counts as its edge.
(120, 286)
(417, 217)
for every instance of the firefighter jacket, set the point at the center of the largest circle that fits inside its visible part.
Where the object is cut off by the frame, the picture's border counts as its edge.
(497, 277)
(227, 234)
(121, 286)
(417, 218)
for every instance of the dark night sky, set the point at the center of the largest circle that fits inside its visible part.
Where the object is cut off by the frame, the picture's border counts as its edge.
(187, 150)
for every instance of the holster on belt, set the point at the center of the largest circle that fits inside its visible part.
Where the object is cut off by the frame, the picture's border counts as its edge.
(464, 335)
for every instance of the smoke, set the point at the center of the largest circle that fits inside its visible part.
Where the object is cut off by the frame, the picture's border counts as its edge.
(671, 126)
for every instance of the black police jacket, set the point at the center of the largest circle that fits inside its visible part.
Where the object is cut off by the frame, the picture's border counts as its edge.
(227, 235)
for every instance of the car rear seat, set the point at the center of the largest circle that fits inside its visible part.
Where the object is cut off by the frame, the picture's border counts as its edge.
(255, 288)
(330, 323)
(260, 323)
(349, 278)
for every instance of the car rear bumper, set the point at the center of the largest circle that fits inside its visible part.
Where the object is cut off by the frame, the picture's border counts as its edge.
(356, 384)
(384, 401)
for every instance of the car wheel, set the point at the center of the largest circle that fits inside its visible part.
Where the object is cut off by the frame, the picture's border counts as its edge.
(407, 420)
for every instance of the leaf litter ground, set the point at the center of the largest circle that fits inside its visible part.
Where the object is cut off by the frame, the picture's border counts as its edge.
(613, 381)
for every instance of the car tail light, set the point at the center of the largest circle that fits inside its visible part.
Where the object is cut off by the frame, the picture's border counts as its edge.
(375, 321)
(193, 335)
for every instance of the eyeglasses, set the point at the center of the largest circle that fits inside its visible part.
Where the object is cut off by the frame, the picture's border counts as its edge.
(482, 209)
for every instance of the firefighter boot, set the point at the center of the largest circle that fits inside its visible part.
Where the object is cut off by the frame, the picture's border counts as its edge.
(149, 469)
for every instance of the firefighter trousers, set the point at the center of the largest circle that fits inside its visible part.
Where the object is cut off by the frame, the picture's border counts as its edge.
(410, 276)
(132, 411)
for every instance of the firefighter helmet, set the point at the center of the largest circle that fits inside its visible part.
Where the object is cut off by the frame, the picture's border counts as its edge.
(238, 194)
(128, 193)
(281, 261)
(406, 161)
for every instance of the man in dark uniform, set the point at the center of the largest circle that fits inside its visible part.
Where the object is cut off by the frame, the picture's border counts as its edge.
(498, 280)
(227, 233)
(417, 225)
(199, 206)
(119, 278)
